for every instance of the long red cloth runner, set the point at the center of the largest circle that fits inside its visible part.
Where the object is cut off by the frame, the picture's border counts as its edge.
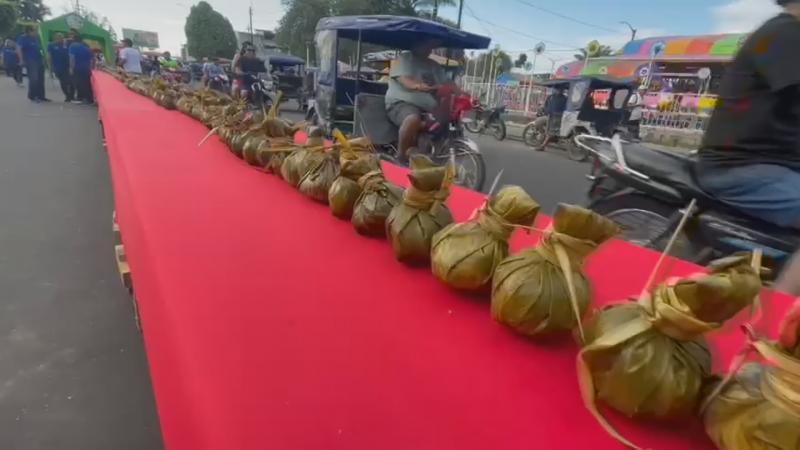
(269, 324)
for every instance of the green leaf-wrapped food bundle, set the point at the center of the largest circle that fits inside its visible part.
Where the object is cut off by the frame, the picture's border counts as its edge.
(465, 255)
(422, 213)
(299, 162)
(530, 290)
(649, 359)
(378, 197)
(317, 182)
(759, 408)
(355, 161)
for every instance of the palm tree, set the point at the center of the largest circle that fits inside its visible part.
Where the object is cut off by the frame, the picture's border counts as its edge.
(604, 50)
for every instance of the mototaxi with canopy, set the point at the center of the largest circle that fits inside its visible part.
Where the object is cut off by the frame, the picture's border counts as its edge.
(337, 96)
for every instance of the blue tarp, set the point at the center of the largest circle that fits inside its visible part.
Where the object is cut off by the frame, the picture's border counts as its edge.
(400, 32)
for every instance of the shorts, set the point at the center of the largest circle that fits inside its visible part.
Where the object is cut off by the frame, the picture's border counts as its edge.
(765, 191)
(397, 112)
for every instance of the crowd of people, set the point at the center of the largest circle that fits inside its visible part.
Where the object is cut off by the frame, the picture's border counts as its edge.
(69, 60)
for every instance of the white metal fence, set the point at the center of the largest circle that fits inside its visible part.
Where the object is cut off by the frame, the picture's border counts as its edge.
(689, 112)
(516, 98)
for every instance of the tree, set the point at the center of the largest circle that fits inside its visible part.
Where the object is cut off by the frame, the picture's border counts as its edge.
(482, 66)
(521, 60)
(298, 25)
(209, 33)
(8, 17)
(32, 10)
(603, 50)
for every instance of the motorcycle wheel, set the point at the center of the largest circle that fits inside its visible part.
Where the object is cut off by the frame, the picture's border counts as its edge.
(498, 127)
(646, 222)
(469, 165)
(533, 136)
(471, 123)
(575, 152)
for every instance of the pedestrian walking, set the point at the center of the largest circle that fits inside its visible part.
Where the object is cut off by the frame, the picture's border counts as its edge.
(58, 60)
(11, 61)
(81, 62)
(29, 51)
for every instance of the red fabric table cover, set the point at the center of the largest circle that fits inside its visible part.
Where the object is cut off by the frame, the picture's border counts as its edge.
(269, 324)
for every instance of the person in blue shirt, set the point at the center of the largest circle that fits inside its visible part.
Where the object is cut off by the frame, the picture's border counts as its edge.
(11, 61)
(58, 60)
(29, 52)
(81, 61)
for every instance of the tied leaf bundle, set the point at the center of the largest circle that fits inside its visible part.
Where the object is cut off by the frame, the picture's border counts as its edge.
(543, 289)
(378, 197)
(465, 255)
(758, 408)
(356, 160)
(317, 182)
(299, 162)
(649, 359)
(422, 213)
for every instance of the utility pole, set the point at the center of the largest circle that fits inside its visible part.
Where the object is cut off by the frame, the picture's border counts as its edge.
(435, 9)
(633, 30)
(460, 12)
(252, 36)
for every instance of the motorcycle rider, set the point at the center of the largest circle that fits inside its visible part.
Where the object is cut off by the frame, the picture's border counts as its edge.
(750, 157)
(246, 67)
(414, 82)
(554, 106)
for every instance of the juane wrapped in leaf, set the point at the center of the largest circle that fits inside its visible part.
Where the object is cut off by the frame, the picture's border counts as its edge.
(378, 197)
(299, 162)
(758, 407)
(317, 181)
(649, 358)
(422, 213)
(356, 159)
(543, 289)
(465, 255)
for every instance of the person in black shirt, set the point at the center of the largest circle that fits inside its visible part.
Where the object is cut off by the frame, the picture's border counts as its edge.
(750, 157)
(246, 67)
(554, 107)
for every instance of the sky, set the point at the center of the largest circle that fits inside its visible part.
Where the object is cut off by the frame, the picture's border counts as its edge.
(515, 25)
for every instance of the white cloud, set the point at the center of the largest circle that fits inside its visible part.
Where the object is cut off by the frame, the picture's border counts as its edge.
(741, 16)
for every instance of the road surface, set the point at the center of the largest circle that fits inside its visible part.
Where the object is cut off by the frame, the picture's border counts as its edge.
(73, 373)
(549, 177)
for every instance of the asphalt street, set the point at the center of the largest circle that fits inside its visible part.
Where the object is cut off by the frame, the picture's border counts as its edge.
(73, 372)
(549, 176)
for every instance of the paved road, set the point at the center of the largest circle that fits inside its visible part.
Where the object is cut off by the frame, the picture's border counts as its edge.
(549, 177)
(73, 373)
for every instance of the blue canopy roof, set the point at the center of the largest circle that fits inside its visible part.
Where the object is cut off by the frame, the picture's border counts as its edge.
(400, 32)
(285, 60)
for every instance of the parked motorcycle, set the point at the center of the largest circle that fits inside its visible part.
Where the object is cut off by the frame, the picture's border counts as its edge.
(646, 191)
(486, 119)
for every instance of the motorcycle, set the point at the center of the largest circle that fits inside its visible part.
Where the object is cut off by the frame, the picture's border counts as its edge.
(261, 94)
(648, 191)
(486, 119)
(442, 139)
(220, 83)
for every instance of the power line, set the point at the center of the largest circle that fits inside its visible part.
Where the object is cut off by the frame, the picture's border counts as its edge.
(566, 17)
(511, 30)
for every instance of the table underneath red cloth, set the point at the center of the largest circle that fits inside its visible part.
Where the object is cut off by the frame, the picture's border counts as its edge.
(269, 324)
